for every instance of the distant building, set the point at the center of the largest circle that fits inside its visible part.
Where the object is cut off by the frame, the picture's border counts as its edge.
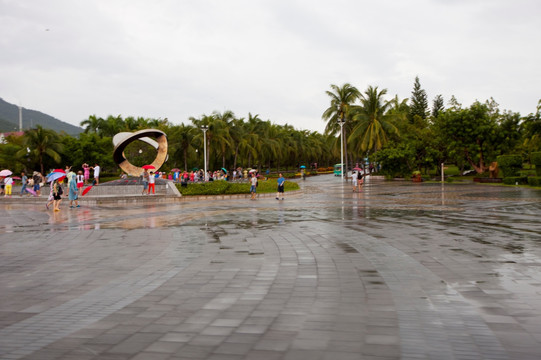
(3, 136)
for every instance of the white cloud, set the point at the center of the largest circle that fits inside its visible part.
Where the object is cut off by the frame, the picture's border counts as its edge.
(176, 59)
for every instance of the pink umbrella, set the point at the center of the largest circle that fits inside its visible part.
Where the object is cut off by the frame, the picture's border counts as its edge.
(31, 191)
(5, 172)
(16, 178)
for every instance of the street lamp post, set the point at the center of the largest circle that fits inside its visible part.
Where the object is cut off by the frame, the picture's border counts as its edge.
(341, 123)
(205, 128)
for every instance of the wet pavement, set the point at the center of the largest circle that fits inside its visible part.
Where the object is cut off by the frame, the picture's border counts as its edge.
(398, 271)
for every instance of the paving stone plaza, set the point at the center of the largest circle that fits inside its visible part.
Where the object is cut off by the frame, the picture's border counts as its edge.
(397, 271)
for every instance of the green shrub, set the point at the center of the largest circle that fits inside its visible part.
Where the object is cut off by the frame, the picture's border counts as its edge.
(536, 160)
(221, 187)
(510, 165)
(534, 180)
(513, 180)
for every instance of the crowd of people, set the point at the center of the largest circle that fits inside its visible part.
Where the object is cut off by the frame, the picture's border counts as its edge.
(74, 182)
(32, 186)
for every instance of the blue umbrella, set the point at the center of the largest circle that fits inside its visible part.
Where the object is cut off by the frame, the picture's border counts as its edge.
(55, 176)
(303, 167)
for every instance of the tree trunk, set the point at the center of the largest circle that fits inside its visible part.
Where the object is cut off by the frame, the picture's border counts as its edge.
(345, 153)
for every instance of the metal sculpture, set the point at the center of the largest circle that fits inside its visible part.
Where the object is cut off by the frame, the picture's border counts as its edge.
(123, 139)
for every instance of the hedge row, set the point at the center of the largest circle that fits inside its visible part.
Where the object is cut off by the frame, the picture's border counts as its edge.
(222, 187)
(536, 160)
(510, 165)
(513, 180)
(534, 180)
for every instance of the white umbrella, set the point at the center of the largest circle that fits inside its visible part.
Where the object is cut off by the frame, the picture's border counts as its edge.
(253, 170)
(5, 172)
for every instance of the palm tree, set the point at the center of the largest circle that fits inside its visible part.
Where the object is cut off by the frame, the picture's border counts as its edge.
(181, 138)
(342, 98)
(373, 123)
(39, 142)
(92, 124)
(242, 139)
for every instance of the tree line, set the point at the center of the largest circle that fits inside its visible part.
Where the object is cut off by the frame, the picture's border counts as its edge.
(402, 135)
(410, 135)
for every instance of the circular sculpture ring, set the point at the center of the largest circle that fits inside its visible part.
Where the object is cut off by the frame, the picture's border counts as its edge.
(121, 140)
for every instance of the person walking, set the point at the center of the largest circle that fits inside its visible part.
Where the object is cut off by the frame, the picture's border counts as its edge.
(354, 181)
(24, 183)
(281, 181)
(152, 184)
(50, 199)
(57, 195)
(8, 184)
(253, 187)
(36, 177)
(72, 189)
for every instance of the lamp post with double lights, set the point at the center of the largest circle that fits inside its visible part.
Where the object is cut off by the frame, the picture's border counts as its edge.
(205, 128)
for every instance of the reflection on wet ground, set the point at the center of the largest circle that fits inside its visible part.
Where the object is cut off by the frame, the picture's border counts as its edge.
(426, 264)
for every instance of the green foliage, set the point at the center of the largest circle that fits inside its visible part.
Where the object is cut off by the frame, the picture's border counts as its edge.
(534, 180)
(222, 187)
(437, 106)
(510, 164)
(395, 161)
(513, 180)
(536, 160)
(419, 102)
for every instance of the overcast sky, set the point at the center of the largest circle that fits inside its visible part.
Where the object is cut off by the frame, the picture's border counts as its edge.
(176, 59)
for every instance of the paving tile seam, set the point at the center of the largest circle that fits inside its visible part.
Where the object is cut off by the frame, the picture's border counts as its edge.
(64, 319)
(396, 267)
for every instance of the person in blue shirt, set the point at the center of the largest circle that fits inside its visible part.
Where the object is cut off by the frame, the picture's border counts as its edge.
(281, 182)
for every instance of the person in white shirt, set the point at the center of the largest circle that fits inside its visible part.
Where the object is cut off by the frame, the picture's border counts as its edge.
(253, 188)
(97, 173)
(151, 184)
(354, 182)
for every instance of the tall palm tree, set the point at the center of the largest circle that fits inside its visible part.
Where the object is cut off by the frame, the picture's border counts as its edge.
(342, 99)
(181, 138)
(242, 139)
(39, 142)
(222, 137)
(373, 122)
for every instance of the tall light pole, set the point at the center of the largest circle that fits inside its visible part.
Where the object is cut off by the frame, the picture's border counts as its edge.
(341, 123)
(205, 128)
(20, 118)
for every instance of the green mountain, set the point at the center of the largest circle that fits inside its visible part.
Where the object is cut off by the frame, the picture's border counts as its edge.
(9, 120)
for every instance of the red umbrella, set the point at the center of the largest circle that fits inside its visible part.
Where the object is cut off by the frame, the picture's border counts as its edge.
(148, 167)
(86, 190)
